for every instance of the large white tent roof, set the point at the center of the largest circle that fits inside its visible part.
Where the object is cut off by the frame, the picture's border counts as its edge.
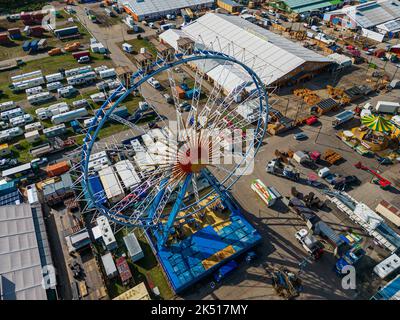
(270, 55)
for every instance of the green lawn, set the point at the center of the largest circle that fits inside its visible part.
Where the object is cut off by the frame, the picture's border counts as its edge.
(143, 43)
(144, 270)
(48, 65)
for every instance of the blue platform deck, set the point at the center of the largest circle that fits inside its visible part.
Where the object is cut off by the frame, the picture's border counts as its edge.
(182, 262)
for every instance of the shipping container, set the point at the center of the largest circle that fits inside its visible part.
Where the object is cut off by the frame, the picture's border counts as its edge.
(80, 54)
(69, 116)
(57, 168)
(111, 184)
(97, 191)
(65, 32)
(180, 92)
(387, 107)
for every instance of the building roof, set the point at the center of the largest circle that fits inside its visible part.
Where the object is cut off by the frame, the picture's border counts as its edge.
(138, 292)
(17, 169)
(149, 7)
(271, 56)
(372, 13)
(109, 265)
(132, 244)
(23, 251)
(300, 6)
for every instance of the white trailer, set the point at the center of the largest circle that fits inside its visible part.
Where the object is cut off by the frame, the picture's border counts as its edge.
(79, 70)
(34, 90)
(127, 173)
(69, 116)
(25, 76)
(98, 164)
(7, 115)
(21, 120)
(111, 184)
(66, 92)
(40, 98)
(53, 86)
(388, 266)
(52, 110)
(80, 103)
(343, 117)
(33, 126)
(387, 107)
(127, 47)
(98, 97)
(108, 73)
(54, 77)
(26, 84)
(80, 79)
(8, 105)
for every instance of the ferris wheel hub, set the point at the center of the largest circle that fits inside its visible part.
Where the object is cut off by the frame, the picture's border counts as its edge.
(194, 159)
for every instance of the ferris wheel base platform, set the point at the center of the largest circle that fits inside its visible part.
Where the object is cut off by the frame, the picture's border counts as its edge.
(204, 252)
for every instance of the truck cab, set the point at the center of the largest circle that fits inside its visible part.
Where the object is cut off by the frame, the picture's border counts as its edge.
(312, 246)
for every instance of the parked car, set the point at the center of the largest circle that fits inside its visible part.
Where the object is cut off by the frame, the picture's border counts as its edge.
(84, 59)
(300, 136)
(168, 98)
(184, 106)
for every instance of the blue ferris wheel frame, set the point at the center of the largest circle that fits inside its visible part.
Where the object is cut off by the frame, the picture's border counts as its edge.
(105, 113)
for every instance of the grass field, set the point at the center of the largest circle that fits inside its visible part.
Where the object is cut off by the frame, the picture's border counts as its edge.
(145, 270)
(51, 64)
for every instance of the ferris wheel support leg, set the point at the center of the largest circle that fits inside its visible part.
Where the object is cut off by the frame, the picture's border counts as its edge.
(175, 210)
(223, 194)
(157, 199)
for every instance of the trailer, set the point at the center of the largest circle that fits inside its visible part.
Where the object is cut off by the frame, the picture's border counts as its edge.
(26, 84)
(81, 79)
(79, 70)
(387, 107)
(34, 90)
(12, 113)
(267, 194)
(54, 86)
(69, 116)
(66, 92)
(21, 120)
(342, 117)
(127, 48)
(389, 211)
(127, 173)
(8, 105)
(98, 97)
(108, 73)
(52, 110)
(26, 76)
(54, 77)
(111, 184)
(80, 103)
(388, 266)
(40, 98)
(81, 54)
(67, 32)
(35, 126)
(55, 131)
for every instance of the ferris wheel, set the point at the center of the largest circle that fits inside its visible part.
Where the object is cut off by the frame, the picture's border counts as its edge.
(205, 139)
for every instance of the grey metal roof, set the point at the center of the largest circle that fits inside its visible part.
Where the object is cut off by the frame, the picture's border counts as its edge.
(300, 6)
(152, 7)
(373, 13)
(132, 244)
(23, 251)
